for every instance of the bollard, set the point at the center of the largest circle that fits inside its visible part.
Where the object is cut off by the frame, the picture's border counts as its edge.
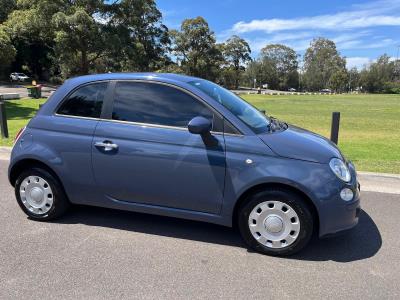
(335, 127)
(3, 120)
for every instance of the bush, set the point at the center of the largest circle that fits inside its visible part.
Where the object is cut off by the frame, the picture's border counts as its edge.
(391, 87)
(56, 80)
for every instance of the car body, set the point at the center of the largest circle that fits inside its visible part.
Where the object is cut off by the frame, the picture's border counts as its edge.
(120, 159)
(19, 77)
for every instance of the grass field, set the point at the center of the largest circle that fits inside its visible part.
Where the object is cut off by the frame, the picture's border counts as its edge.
(369, 128)
(19, 112)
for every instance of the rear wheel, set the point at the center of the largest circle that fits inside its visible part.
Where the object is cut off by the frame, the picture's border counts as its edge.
(40, 195)
(276, 222)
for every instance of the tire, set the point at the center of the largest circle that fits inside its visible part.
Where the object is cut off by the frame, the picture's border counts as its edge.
(275, 222)
(40, 195)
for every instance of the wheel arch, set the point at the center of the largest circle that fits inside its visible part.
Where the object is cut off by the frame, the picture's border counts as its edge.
(271, 185)
(25, 163)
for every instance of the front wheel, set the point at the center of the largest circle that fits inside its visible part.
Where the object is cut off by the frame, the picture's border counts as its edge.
(40, 195)
(276, 222)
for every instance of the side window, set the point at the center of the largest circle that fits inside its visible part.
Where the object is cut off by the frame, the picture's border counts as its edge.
(87, 101)
(156, 104)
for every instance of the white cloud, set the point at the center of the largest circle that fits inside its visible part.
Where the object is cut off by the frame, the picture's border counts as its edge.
(358, 62)
(382, 13)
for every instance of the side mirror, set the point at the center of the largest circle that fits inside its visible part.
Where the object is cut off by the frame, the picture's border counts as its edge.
(199, 125)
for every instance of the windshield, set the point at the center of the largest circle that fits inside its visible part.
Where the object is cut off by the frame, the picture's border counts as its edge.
(256, 120)
(21, 74)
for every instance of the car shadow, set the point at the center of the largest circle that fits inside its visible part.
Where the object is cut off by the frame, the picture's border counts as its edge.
(17, 111)
(362, 242)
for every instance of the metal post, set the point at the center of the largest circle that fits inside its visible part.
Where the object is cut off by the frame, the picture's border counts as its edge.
(3, 120)
(335, 127)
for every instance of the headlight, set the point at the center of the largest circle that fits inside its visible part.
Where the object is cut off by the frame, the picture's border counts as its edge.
(340, 169)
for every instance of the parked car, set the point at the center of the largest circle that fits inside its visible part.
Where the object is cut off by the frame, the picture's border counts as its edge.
(18, 77)
(326, 91)
(184, 147)
(292, 90)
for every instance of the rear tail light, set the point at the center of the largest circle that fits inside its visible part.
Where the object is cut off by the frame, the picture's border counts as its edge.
(20, 132)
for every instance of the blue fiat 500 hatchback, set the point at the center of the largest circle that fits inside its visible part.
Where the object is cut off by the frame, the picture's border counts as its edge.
(183, 147)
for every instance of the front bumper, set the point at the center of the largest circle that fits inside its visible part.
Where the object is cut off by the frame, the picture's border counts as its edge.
(338, 214)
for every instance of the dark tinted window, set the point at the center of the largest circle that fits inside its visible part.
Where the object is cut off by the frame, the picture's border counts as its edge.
(156, 104)
(87, 101)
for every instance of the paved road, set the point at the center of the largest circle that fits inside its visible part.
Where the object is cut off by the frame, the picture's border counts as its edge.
(96, 254)
(21, 90)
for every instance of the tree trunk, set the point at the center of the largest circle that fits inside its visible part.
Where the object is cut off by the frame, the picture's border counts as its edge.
(84, 63)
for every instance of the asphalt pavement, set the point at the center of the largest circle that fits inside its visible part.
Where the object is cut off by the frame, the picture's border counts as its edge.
(95, 253)
(20, 89)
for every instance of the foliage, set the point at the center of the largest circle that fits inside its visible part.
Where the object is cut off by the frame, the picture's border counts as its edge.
(322, 63)
(7, 50)
(276, 66)
(391, 87)
(280, 63)
(196, 49)
(376, 75)
(79, 37)
(236, 53)
(6, 7)
(57, 39)
(140, 41)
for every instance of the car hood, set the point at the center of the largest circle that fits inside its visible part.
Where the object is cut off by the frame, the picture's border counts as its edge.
(298, 143)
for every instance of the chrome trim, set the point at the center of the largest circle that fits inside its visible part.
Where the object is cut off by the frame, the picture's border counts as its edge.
(138, 123)
(142, 124)
(76, 117)
(106, 146)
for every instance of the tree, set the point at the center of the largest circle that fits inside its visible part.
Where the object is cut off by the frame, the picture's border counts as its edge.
(195, 47)
(378, 74)
(254, 71)
(7, 50)
(140, 39)
(280, 65)
(236, 52)
(339, 80)
(354, 79)
(32, 34)
(6, 7)
(321, 61)
(79, 41)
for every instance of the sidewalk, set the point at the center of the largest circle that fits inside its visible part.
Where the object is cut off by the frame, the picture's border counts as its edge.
(370, 182)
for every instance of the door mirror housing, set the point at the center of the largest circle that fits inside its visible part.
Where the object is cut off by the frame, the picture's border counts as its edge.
(199, 125)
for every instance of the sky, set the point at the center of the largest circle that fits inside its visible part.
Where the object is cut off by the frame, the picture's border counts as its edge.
(362, 30)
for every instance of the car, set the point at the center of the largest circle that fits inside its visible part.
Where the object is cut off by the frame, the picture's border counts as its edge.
(292, 90)
(326, 91)
(19, 77)
(180, 146)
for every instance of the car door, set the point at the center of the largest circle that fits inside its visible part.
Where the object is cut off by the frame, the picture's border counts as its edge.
(144, 153)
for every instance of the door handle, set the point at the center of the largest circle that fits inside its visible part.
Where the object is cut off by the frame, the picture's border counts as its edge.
(107, 145)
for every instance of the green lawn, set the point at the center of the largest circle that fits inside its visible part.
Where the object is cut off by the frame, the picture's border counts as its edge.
(19, 112)
(369, 128)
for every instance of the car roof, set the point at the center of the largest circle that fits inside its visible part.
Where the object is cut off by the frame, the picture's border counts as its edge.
(132, 76)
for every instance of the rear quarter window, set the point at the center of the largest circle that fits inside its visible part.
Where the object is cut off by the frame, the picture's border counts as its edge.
(86, 101)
